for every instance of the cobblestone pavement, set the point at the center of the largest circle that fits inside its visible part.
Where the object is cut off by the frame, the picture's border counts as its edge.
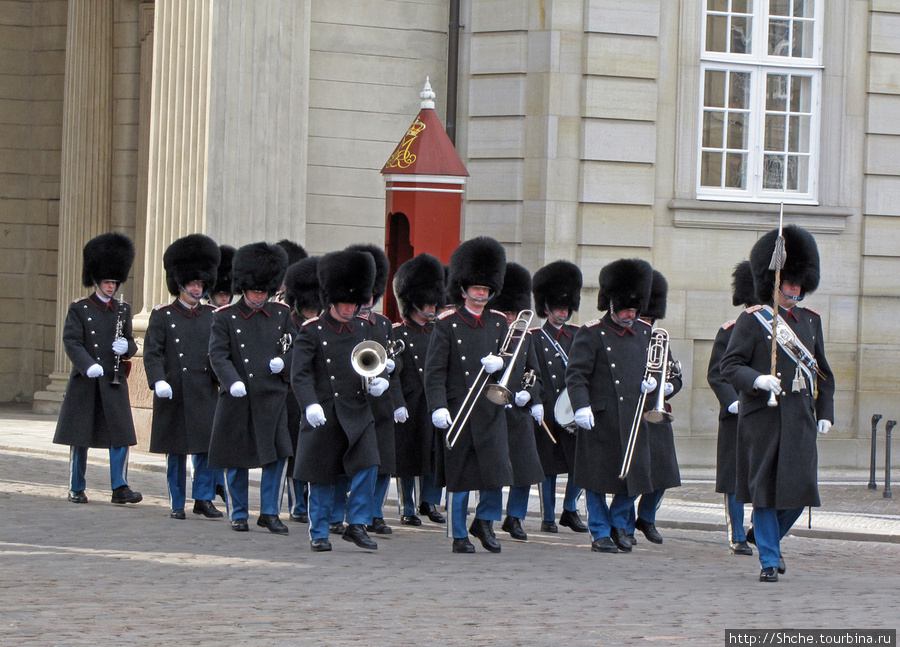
(128, 575)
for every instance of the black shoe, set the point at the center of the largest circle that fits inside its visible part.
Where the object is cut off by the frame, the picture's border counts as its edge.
(632, 540)
(741, 548)
(604, 545)
(649, 530)
(177, 514)
(620, 539)
(570, 519)
(77, 496)
(207, 509)
(124, 494)
(430, 511)
(463, 545)
(240, 525)
(379, 527)
(768, 574)
(483, 530)
(549, 526)
(356, 532)
(299, 518)
(781, 566)
(410, 520)
(320, 545)
(273, 523)
(751, 536)
(220, 492)
(513, 526)
(336, 528)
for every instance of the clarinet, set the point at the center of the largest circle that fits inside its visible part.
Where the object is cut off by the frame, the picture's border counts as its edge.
(119, 325)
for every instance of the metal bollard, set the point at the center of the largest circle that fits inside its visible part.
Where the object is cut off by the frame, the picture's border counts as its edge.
(872, 485)
(889, 426)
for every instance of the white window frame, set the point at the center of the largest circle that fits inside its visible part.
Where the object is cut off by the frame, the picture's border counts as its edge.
(759, 63)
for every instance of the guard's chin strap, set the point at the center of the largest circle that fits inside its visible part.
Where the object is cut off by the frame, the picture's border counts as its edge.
(256, 304)
(202, 296)
(485, 300)
(788, 296)
(622, 322)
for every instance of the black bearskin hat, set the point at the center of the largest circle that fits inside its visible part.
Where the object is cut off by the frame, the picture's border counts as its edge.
(294, 251)
(259, 266)
(557, 285)
(477, 261)
(301, 285)
(107, 257)
(346, 277)
(191, 258)
(419, 282)
(743, 291)
(224, 274)
(625, 283)
(516, 293)
(659, 293)
(382, 266)
(801, 265)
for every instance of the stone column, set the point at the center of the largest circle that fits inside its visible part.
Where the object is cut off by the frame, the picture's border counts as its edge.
(85, 175)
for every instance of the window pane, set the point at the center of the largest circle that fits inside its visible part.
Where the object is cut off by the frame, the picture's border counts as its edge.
(779, 37)
(736, 171)
(737, 134)
(776, 92)
(798, 173)
(774, 137)
(740, 35)
(801, 89)
(779, 7)
(717, 5)
(803, 39)
(711, 169)
(739, 91)
(716, 33)
(773, 172)
(804, 8)
(798, 134)
(742, 6)
(712, 129)
(714, 89)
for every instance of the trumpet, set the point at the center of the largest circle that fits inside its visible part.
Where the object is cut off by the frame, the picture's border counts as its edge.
(369, 359)
(394, 348)
(502, 395)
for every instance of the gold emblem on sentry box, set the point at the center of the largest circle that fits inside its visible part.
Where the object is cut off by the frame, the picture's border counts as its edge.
(402, 158)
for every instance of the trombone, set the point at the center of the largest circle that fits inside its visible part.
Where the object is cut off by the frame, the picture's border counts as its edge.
(369, 359)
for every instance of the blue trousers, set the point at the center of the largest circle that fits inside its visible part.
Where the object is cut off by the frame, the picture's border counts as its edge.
(118, 467)
(339, 494)
(548, 497)
(237, 482)
(769, 527)
(358, 504)
(428, 492)
(489, 508)
(203, 481)
(517, 501)
(382, 481)
(734, 518)
(602, 517)
(298, 492)
(646, 509)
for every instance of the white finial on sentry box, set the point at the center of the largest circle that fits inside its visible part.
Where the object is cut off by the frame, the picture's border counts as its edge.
(427, 96)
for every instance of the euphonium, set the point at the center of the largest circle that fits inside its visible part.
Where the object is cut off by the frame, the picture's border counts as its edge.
(369, 360)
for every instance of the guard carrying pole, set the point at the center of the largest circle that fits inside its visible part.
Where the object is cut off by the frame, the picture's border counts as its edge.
(889, 426)
(872, 485)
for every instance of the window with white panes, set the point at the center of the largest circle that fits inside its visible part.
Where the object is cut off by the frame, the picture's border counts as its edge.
(760, 99)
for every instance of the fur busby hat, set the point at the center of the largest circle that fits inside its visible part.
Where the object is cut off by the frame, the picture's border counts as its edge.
(224, 274)
(259, 266)
(743, 291)
(659, 293)
(346, 277)
(382, 266)
(301, 285)
(625, 283)
(801, 265)
(477, 261)
(294, 251)
(557, 285)
(191, 258)
(419, 282)
(107, 257)
(516, 293)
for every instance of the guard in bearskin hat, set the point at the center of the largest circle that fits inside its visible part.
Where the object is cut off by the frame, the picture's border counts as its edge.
(176, 359)
(464, 342)
(248, 350)
(222, 292)
(776, 448)
(557, 296)
(743, 293)
(337, 435)
(97, 335)
(419, 289)
(605, 379)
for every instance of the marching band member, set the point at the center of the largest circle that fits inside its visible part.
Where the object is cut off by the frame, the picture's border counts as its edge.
(176, 360)
(463, 342)
(557, 295)
(419, 289)
(222, 293)
(96, 409)
(248, 351)
(776, 451)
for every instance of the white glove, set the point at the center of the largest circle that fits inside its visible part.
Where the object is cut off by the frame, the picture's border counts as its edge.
(315, 415)
(767, 383)
(648, 385)
(584, 418)
(734, 407)
(441, 418)
(378, 386)
(522, 398)
(238, 390)
(391, 365)
(163, 389)
(492, 363)
(401, 415)
(537, 412)
(823, 426)
(94, 370)
(120, 346)
(276, 365)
